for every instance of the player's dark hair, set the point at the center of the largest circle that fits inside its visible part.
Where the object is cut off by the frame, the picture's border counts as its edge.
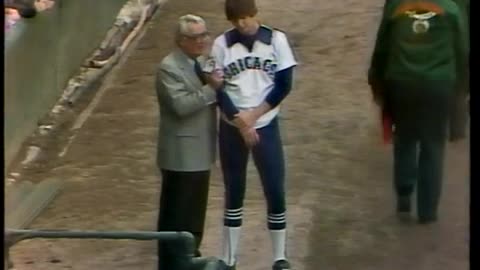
(237, 9)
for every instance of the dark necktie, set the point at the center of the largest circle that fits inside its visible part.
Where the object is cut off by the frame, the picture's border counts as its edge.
(199, 72)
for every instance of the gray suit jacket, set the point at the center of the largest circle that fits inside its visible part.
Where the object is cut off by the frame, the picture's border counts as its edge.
(187, 134)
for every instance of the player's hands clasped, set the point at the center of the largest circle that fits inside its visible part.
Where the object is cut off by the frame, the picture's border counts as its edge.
(250, 136)
(246, 119)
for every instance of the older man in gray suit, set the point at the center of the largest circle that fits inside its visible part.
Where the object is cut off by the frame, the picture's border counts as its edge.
(187, 135)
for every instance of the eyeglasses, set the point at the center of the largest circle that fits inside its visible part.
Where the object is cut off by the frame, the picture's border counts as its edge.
(196, 37)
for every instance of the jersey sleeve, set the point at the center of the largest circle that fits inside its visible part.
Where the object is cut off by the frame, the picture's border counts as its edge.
(284, 53)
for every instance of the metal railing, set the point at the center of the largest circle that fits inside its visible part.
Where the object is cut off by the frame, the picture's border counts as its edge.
(183, 240)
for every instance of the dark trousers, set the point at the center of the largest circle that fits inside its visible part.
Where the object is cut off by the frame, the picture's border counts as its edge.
(420, 113)
(269, 160)
(183, 205)
(458, 116)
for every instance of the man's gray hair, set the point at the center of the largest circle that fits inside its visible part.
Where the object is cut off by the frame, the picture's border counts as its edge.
(184, 22)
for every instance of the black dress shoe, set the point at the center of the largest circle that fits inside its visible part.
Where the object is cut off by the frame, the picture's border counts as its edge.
(281, 265)
(224, 266)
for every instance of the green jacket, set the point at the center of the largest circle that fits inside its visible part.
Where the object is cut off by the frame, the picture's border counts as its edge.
(420, 41)
(464, 6)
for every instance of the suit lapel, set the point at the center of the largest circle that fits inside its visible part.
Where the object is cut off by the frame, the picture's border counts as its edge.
(187, 68)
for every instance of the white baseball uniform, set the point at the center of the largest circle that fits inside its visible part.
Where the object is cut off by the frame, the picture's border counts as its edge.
(249, 75)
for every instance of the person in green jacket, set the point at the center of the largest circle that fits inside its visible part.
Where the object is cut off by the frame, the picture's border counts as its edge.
(420, 58)
(459, 110)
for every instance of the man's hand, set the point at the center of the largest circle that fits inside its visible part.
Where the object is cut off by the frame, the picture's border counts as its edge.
(239, 123)
(246, 119)
(215, 80)
(248, 132)
(250, 136)
(250, 117)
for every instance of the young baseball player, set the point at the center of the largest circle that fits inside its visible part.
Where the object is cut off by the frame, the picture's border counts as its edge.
(257, 65)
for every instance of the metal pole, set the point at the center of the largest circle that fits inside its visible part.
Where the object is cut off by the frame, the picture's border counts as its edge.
(184, 240)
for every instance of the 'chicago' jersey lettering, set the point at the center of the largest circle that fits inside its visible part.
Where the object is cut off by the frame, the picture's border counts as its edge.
(249, 63)
(249, 71)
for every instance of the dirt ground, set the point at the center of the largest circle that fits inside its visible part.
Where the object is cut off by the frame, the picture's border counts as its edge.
(340, 203)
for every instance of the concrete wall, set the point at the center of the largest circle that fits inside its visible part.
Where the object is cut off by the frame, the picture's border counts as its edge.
(42, 54)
